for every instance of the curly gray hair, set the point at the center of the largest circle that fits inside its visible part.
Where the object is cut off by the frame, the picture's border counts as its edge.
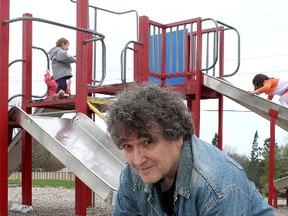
(145, 107)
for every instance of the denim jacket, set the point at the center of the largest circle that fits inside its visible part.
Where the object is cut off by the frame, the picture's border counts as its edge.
(208, 183)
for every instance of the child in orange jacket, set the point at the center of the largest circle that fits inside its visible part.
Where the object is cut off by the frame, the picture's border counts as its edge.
(271, 87)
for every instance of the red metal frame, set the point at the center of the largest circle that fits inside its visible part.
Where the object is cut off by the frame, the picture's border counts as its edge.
(83, 193)
(275, 197)
(141, 74)
(4, 59)
(192, 88)
(27, 94)
(273, 115)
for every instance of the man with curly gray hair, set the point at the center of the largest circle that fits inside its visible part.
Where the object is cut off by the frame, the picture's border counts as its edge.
(170, 171)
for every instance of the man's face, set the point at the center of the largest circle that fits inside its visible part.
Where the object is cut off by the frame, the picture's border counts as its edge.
(151, 156)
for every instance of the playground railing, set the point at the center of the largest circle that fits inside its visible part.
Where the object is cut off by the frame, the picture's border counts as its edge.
(182, 48)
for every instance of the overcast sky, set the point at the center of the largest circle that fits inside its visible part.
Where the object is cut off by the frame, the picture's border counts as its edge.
(263, 28)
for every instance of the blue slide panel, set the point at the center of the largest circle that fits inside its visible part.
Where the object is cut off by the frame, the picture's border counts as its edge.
(155, 60)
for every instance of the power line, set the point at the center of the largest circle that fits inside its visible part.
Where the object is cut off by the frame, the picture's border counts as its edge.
(255, 72)
(228, 110)
(259, 57)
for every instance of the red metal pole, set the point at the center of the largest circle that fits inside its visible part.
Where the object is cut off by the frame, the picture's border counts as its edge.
(27, 95)
(163, 50)
(286, 197)
(273, 115)
(220, 122)
(89, 80)
(4, 62)
(142, 51)
(83, 193)
(196, 103)
(275, 194)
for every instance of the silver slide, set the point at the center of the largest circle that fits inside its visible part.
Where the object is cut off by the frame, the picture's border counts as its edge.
(254, 103)
(81, 146)
(15, 147)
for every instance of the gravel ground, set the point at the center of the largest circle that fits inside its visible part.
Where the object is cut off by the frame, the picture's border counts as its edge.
(54, 201)
(61, 202)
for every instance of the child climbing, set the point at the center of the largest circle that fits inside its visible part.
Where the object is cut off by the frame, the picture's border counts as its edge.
(61, 64)
(52, 86)
(271, 87)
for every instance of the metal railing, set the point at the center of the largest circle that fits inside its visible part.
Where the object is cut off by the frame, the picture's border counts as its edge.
(96, 36)
(123, 59)
(183, 49)
(21, 60)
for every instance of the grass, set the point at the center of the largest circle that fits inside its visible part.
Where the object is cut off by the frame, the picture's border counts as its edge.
(45, 183)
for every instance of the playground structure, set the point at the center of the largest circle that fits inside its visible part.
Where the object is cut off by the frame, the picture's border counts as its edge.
(182, 54)
(280, 185)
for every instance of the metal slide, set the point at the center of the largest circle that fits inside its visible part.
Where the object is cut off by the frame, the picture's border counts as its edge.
(254, 103)
(81, 146)
(15, 147)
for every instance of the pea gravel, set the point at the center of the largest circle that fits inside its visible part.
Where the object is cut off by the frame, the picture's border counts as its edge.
(61, 202)
(48, 201)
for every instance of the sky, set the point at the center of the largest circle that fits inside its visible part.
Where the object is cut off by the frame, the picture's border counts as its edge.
(263, 28)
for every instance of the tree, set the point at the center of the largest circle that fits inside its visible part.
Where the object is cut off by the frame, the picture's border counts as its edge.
(282, 156)
(215, 140)
(241, 159)
(266, 159)
(255, 167)
(255, 153)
